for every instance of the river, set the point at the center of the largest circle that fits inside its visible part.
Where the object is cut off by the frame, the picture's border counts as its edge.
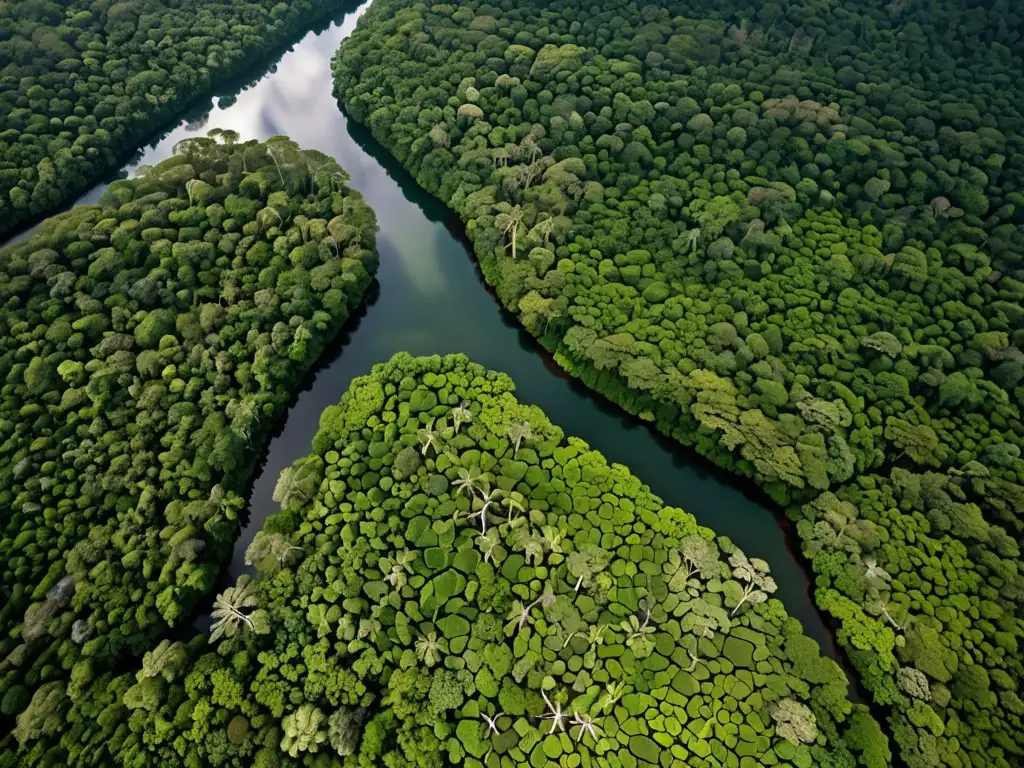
(431, 299)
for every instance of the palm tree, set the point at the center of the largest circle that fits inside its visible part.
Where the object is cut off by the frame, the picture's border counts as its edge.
(509, 221)
(270, 552)
(586, 725)
(429, 437)
(487, 543)
(517, 432)
(395, 570)
(271, 210)
(543, 228)
(486, 500)
(429, 648)
(552, 538)
(472, 480)
(522, 613)
(369, 628)
(555, 713)
(596, 634)
(638, 628)
(613, 692)
(879, 606)
(236, 607)
(461, 415)
(532, 547)
(872, 570)
(519, 615)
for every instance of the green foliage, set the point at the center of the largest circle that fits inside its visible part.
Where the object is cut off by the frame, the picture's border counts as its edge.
(131, 415)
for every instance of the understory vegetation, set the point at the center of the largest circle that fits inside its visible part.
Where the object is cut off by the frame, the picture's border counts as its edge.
(82, 83)
(789, 235)
(147, 345)
(452, 581)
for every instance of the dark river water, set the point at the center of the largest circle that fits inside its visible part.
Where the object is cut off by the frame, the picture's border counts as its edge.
(430, 298)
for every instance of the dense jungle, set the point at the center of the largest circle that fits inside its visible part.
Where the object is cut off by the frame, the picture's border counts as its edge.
(785, 236)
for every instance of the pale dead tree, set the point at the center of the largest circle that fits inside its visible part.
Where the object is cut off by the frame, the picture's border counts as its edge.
(555, 713)
(190, 187)
(277, 165)
(492, 723)
(586, 725)
(510, 221)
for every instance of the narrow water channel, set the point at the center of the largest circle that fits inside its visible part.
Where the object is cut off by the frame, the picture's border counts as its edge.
(431, 299)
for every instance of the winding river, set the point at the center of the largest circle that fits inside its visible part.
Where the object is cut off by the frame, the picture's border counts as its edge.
(430, 298)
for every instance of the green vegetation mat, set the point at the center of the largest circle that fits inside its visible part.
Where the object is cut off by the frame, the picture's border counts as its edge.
(452, 581)
(146, 346)
(789, 235)
(84, 82)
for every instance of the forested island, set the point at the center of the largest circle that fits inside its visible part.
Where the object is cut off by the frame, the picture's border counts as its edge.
(147, 344)
(787, 235)
(82, 83)
(790, 236)
(453, 581)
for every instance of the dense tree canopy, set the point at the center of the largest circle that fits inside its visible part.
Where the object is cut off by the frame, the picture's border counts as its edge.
(451, 581)
(930, 598)
(83, 82)
(146, 345)
(788, 233)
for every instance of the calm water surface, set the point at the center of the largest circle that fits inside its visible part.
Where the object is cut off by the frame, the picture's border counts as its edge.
(431, 299)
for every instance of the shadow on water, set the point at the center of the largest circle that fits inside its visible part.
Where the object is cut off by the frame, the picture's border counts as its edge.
(430, 298)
